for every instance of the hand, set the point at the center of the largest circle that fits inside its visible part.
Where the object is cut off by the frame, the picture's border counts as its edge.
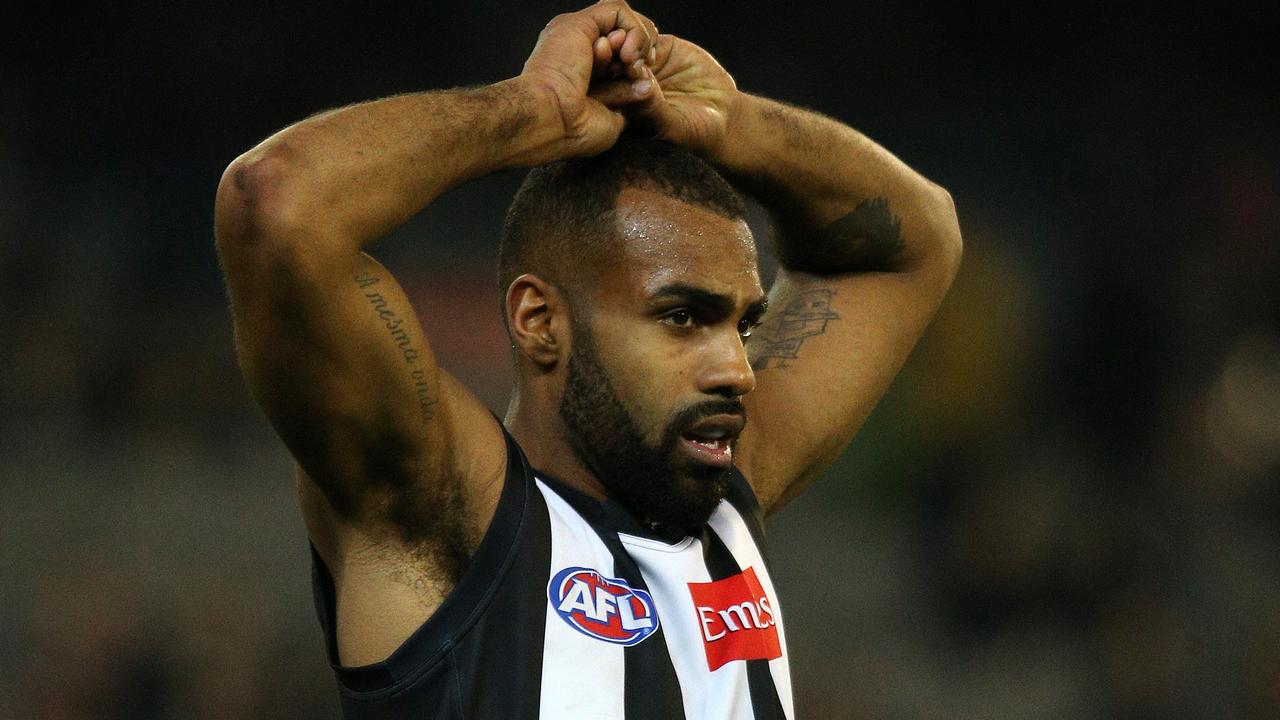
(601, 40)
(690, 102)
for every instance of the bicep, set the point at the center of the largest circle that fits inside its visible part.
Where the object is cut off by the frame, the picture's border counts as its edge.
(826, 352)
(336, 357)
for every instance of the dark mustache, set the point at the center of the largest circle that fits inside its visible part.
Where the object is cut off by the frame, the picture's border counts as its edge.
(692, 414)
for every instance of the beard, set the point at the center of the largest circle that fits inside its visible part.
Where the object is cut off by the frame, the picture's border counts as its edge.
(666, 491)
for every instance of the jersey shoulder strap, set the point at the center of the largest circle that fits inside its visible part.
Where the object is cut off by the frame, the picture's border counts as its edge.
(461, 609)
(743, 499)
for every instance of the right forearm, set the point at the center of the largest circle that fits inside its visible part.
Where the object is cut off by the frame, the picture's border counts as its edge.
(352, 175)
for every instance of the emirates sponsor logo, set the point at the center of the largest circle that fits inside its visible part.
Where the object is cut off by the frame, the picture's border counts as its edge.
(737, 620)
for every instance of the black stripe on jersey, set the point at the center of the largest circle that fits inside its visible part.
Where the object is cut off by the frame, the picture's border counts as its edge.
(651, 687)
(743, 499)
(512, 627)
(764, 694)
(468, 640)
(371, 677)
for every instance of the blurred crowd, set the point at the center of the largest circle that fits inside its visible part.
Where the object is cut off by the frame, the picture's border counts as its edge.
(1068, 506)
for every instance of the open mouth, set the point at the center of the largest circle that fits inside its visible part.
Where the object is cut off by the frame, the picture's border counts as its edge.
(710, 440)
(709, 452)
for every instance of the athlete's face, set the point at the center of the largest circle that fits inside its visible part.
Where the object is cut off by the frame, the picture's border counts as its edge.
(658, 367)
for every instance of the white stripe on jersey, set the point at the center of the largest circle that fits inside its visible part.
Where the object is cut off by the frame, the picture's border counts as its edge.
(667, 572)
(668, 569)
(581, 676)
(733, 531)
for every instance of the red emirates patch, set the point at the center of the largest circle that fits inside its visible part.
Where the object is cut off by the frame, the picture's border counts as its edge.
(737, 619)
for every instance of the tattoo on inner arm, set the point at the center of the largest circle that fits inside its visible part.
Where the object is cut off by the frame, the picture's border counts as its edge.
(395, 327)
(868, 238)
(779, 337)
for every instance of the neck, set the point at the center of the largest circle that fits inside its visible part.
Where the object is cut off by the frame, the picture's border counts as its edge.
(533, 419)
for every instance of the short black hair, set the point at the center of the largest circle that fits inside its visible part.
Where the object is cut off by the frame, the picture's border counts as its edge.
(561, 221)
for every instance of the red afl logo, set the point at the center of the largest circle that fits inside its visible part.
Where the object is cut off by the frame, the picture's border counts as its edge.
(604, 608)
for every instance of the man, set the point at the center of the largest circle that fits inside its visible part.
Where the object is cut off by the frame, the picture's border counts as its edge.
(598, 556)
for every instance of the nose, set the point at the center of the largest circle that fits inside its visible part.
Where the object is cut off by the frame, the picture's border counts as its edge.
(726, 370)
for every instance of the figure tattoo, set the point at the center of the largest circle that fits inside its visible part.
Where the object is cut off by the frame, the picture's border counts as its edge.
(870, 231)
(779, 337)
(395, 327)
(868, 238)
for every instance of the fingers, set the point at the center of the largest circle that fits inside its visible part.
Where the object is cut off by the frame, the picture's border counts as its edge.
(615, 38)
(635, 48)
(617, 123)
(608, 45)
(631, 35)
(619, 42)
(662, 50)
(650, 112)
(640, 44)
(624, 52)
(602, 50)
(654, 37)
(621, 93)
(602, 58)
(641, 101)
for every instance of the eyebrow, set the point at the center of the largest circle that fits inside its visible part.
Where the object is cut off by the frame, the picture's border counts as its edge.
(703, 298)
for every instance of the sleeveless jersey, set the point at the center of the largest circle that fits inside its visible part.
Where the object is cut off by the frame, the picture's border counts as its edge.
(570, 608)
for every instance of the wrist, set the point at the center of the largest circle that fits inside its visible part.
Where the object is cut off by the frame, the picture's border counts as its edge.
(735, 152)
(529, 120)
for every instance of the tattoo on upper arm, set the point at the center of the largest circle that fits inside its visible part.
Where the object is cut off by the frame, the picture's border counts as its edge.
(780, 335)
(868, 238)
(399, 335)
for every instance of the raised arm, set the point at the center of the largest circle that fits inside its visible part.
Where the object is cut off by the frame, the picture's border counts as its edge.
(330, 345)
(867, 248)
(392, 449)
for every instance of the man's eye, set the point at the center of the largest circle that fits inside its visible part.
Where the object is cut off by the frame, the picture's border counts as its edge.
(745, 327)
(681, 318)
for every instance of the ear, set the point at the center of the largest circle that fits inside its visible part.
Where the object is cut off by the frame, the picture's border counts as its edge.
(538, 318)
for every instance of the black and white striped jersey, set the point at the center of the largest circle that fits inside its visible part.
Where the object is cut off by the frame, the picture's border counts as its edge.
(570, 608)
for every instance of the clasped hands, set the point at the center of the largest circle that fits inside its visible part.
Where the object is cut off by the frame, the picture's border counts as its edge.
(610, 68)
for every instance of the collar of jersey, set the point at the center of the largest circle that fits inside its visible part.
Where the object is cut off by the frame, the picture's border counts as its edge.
(608, 514)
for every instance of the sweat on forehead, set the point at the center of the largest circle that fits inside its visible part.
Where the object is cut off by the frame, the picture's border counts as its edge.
(658, 231)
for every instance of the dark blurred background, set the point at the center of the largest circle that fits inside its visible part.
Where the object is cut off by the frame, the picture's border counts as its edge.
(1066, 507)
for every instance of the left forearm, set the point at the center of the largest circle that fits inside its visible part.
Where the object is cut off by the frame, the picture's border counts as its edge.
(840, 202)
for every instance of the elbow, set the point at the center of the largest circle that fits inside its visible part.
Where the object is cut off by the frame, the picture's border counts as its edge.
(256, 207)
(946, 228)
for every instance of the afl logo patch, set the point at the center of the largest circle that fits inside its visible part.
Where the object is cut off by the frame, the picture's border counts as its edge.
(604, 608)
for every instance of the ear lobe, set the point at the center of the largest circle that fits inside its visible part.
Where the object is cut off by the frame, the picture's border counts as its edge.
(534, 317)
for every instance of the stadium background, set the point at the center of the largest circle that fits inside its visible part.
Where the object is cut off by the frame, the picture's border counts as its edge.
(1067, 506)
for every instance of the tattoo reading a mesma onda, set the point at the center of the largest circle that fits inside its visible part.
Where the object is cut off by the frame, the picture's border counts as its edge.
(400, 336)
(778, 338)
